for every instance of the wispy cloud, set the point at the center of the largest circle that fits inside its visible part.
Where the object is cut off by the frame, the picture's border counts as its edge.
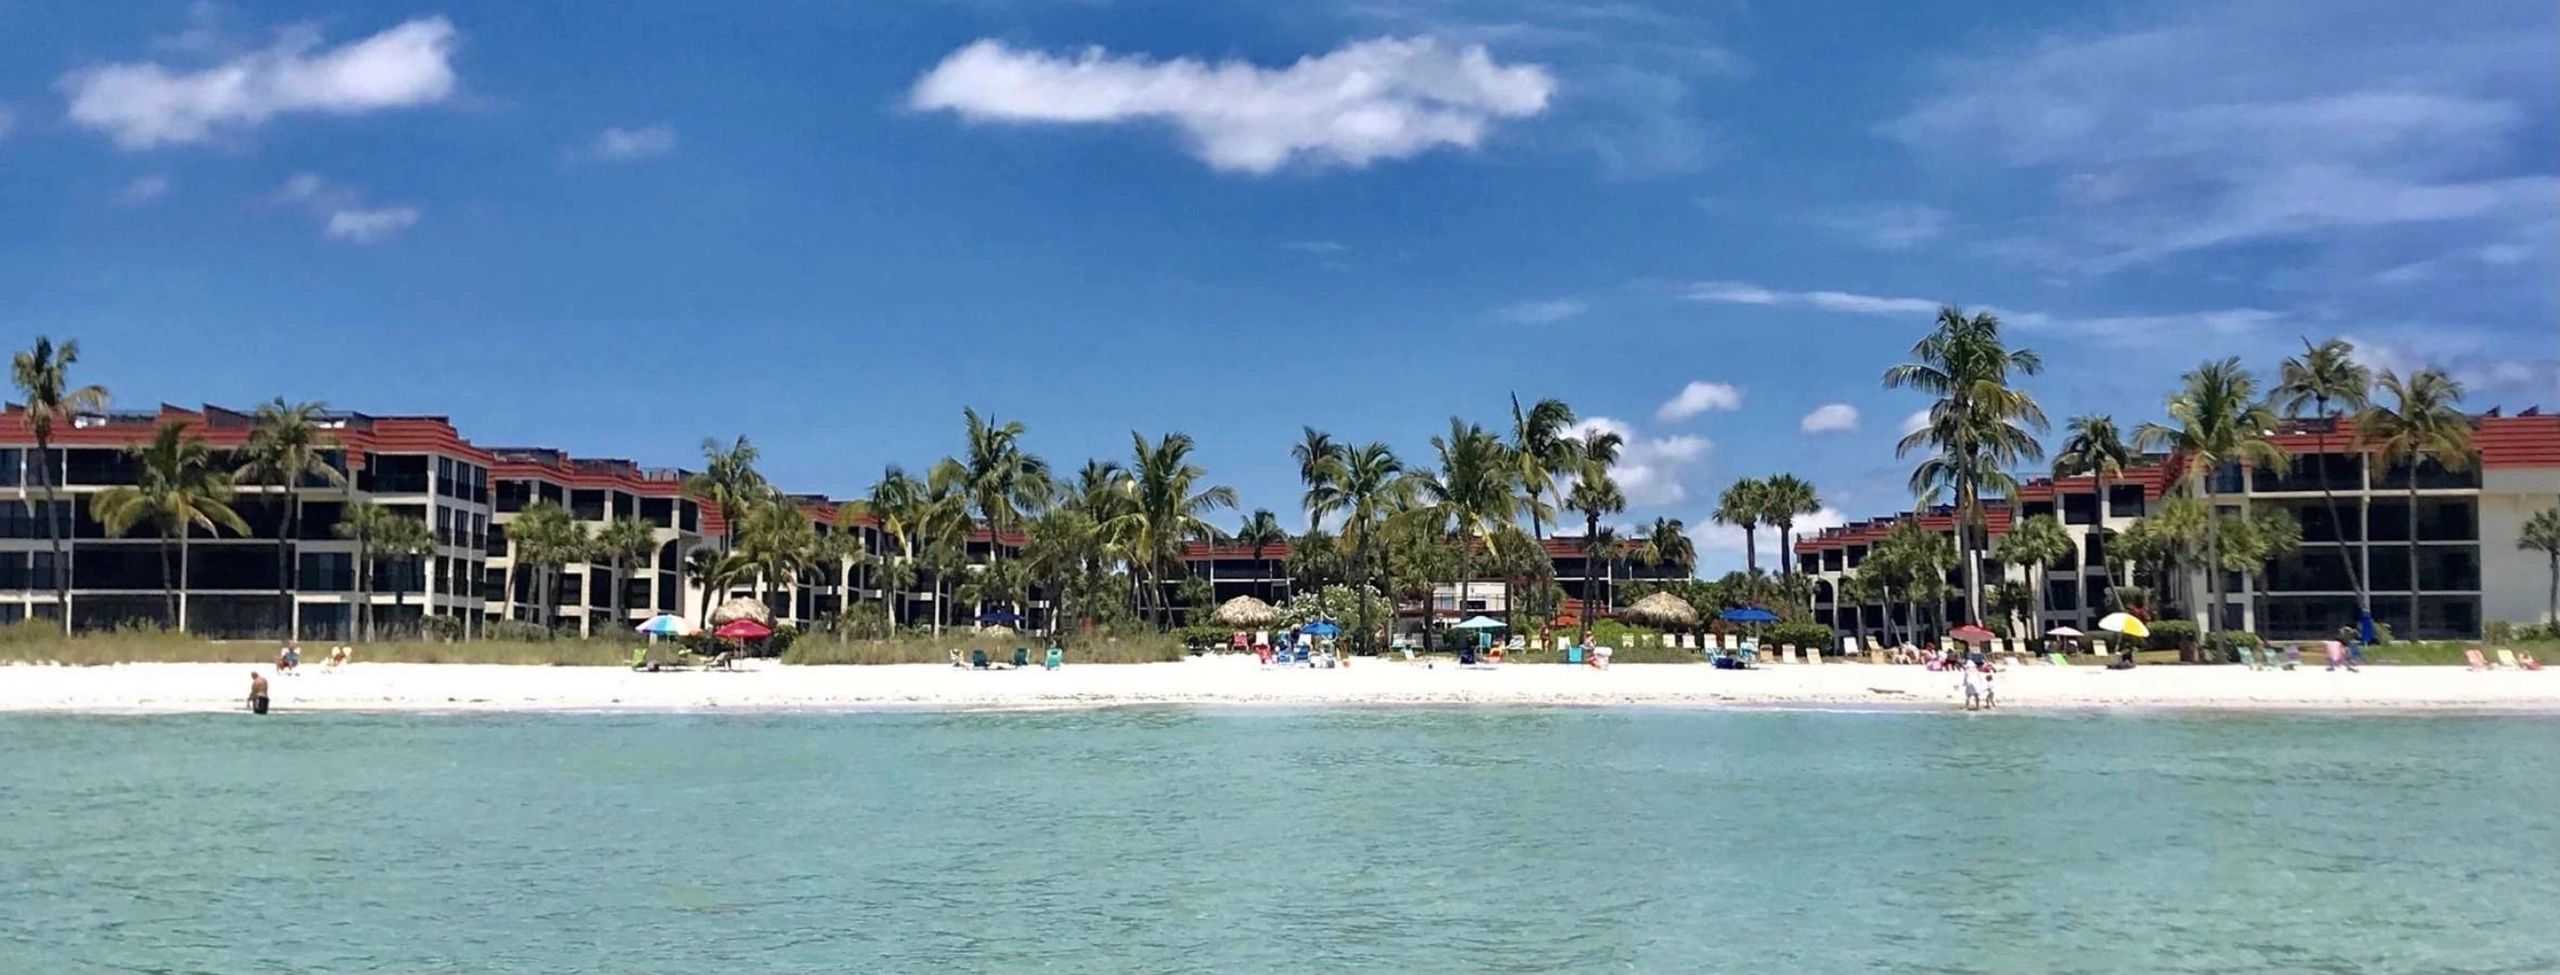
(1916, 422)
(1889, 226)
(144, 189)
(1699, 396)
(1830, 418)
(145, 104)
(342, 212)
(1651, 471)
(1314, 246)
(1746, 293)
(1366, 101)
(1546, 312)
(2127, 330)
(617, 144)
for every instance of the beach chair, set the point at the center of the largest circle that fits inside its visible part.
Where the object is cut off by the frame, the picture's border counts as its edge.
(955, 658)
(1298, 656)
(1813, 655)
(1022, 656)
(1787, 652)
(1466, 655)
(1875, 657)
(2507, 659)
(2059, 658)
(2248, 657)
(639, 658)
(2098, 648)
(1054, 658)
(2472, 659)
(978, 659)
(1573, 654)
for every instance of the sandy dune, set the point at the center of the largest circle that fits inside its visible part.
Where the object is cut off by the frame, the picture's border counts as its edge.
(1238, 681)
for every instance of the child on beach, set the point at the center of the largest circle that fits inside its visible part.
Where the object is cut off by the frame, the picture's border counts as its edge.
(1990, 697)
(1972, 692)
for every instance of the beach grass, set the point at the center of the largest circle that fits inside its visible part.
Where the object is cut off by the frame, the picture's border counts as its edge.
(1133, 649)
(40, 643)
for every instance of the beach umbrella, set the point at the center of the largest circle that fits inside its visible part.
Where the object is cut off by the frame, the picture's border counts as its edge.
(2125, 623)
(741, 608)
(1970, 633)
(742, 630)
(1664, 610)
(1749, 614)
(665, 624)
(1000, 617)
(1246, 612)
(1482, 623)
(1321, 628)
(2063, 631)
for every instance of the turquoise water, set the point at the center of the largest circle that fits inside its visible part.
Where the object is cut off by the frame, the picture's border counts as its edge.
(1359, 840)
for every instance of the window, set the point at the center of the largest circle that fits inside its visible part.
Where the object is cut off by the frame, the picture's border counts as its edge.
(497, 541)
(2062, 595)
(2080, 509)
(658, 511)
(514, 495)
(2448, 567)
(12, 467)
(587, 505)
(669, 593)
(21, 520)
(2430, 474)
(2314, 568)
(2124, 501)
(444, 525)
(688, 515)
(444, 476)
(2093, 553)
(492, 582)
(395, 474)
(2346, 473)
(117, 567)
(2034, 509)
(328, 572)
(98, 466)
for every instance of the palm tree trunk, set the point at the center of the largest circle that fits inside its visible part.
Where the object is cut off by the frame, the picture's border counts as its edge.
(2100, 531)
(2329, 498)
(1751, 559)
(399, 594)
(284, 562)
(2551, 602)
(364, 589)
(168, 583)
(53, 535)
(2212, 572)
(2416, 588)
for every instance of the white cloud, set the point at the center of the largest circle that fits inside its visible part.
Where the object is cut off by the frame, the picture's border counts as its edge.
(2489, 365)
(1916, 422)
(628, 145)
(1546, 312)
(1365, 101)
(342, 212)
(1830, 418)
(1712, 536)
(1699, 397)
(1892, 226)
(1651, 471)
(1315, 246)
(2139, 331)
(1746, 293)
(144, 189)
(1734, 293)
(142, 105)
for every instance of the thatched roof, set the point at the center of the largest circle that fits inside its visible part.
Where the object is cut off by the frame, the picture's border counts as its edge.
(1662, 609)
(742, 608)
(1245, 611)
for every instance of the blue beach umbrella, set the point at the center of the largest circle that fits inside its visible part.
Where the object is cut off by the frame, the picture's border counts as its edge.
(1750, 614)
(999, 617)
(1321, 628)
(665, 624)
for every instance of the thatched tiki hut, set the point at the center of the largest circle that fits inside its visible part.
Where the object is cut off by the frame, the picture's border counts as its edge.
(741, 608)
(1664, 611)
(1245, 612)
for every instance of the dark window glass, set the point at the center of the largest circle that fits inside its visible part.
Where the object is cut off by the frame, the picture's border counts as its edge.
(232, 566)
(514, 495)
(2080, 509)
(2443, 567)
(12, 467)
(2062, 595)
(2314, 568)
(2389, 568)
(669, 593)
(2124, 501)
(99, 465)
(2430, 475)
(396, 474)
(327, 572)
(659, 511)
(588, 505)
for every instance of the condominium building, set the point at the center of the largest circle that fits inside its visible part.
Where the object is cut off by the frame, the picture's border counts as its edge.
(2435, 547)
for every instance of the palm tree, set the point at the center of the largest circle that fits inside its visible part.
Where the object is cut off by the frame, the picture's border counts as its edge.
(543, 538)
(782, 541)
(1743, 504)
(43, 377)
(405, 540)
(1666, 542)
(1058, 547)
(1783, 498)
(703, 566)
(1979, 428)
(2326, 380)
(2034, 545)
(1320, 460)
(2219, 421)
(2422, 424)
(1853, 594)
(2091, 445)
(729, 482)
(1371, 491)
(2542, 534)
(1261, 530)
(1541, 454)
(1001, 480)
(1470, 496)
(941, 528)
(1594, 494)
(623, 543)
(177, 491)
(2249, 543)
(1169, 508)
(287, 447)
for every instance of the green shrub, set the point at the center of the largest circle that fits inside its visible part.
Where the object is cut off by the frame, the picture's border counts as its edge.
(2226, 645)
(1813, 635)
(2173, 634)
(2536, 632)
(2381, 633)
(2498, 631)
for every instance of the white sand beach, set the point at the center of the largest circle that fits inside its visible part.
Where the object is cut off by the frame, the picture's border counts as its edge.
(162, 688)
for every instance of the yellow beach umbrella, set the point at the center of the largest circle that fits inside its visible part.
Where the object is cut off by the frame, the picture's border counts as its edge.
(2125, 623)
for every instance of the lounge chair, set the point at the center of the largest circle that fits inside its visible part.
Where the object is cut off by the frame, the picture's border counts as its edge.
(2059, 658)
(955, 658)
(1813, 655)
(2507, 659)
(2248, 657)
(1298, 655)
(978, 659)
(639, 658)
(1875, 656)
(1021, 657)
(2473, 659)
(1055, 658)
(1467, 655)
(2097, 648)
(1788, 652)
(1573, 654)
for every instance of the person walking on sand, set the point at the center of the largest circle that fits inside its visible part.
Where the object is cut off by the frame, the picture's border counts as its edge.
(1990, 696)
(257, 693)
(1972, 691)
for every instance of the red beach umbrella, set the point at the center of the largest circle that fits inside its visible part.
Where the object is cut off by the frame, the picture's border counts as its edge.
(742, 629)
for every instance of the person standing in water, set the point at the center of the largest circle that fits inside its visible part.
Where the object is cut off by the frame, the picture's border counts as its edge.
(257, 693)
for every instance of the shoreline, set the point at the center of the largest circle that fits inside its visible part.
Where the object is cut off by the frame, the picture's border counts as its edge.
(190, 688)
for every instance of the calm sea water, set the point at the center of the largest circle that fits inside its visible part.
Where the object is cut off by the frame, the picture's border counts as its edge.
(1360, 840)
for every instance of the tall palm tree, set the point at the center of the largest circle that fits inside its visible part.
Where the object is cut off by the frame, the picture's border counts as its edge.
(1595, 494)
(2542, 534)
(2091, 445)
(782, 541)
(1542, 453)
(543, 538)
(703, 566)
(2322, 384)
(623, 543)
(1372, 490)
(1169, 507)
(1261, 530)
(177, 490)
(1320, 459)
(1979, 427)
(1666, 542)
(406, 541)
(1854, 591)
(2035, 544)
(1743, 504)
(287, 447)
(1783, 499)
(2219, 420)
(729, 482)
(43, 377)
(896, 503)
(2421, 424)
(1002, 480)
(1470, 496)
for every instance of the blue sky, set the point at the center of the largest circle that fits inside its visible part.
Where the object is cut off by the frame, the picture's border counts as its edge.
(829, 226)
